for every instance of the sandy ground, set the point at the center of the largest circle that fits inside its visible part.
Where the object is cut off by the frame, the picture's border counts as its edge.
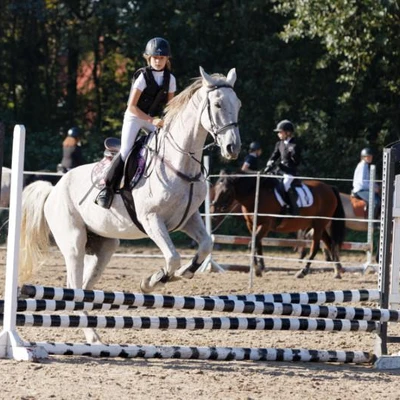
(91, 378)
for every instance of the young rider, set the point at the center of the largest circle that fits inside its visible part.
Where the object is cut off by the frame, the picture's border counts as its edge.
(152, 88)
(287, 152)
(361, 180)
(250, 164)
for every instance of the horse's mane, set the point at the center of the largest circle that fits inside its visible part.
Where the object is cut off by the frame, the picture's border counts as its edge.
(246, 184)
(179, 101)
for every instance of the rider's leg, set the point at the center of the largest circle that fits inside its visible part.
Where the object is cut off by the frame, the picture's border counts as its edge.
(130, 129)
(106, 195)
(291, 194)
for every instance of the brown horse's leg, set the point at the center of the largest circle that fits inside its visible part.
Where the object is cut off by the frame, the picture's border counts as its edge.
(262, 231)
(333, 250)
(313, 251)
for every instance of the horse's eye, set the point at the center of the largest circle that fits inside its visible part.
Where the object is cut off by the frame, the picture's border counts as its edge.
(218, 105)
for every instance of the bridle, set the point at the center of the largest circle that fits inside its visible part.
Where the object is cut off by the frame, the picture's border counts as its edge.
(215, 131)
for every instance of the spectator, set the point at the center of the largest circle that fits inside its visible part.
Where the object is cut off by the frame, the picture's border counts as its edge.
(250, 164)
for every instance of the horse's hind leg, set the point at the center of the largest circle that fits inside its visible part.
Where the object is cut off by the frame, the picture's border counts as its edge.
(195, 229)
(333, 250)
(99, 251)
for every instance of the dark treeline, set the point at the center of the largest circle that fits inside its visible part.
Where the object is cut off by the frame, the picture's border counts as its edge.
(333, 68)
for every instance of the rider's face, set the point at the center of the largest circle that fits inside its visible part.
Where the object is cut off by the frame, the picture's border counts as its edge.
(283, 135)
(158, 62)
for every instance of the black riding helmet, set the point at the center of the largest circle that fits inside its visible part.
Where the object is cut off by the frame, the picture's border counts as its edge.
(366, 152)
(254, 146)
(74, 132)
(284, 125)
(157, 47)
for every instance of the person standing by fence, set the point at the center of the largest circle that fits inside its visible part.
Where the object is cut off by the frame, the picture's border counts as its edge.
(72, 150)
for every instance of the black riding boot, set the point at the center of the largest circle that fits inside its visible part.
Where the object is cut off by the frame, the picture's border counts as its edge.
(292, 196)
(106, 195)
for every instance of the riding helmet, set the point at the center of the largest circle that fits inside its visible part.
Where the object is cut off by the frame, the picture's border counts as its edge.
(254, 146)
(157, 47)
(284, 125)
(366, 152)
(74, 132)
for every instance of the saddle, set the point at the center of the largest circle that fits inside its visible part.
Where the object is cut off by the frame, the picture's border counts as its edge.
(135, 163)
(359, 206)
(304, 195)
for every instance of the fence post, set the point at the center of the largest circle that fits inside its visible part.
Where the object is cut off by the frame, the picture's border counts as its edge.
(11, 345)
(253, 235)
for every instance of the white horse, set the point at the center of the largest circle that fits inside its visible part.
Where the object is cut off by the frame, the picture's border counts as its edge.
(5, 187)
(167, 199)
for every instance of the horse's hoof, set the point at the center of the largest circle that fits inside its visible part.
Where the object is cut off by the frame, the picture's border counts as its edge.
(258, 271)
(184, 272)
(300, 275)
(338, 276)
(158, 279)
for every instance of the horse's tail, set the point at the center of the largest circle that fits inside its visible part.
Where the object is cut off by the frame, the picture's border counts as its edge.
(35, 232)
(338, 226)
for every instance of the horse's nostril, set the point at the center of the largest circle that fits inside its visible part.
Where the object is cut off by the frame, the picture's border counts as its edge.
(229, 149)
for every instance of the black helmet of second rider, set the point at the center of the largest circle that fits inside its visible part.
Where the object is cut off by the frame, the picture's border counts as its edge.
(284, 125)
(157, 47)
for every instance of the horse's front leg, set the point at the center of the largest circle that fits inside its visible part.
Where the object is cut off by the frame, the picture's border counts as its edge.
(262, 231)
(196, 230)
(157, 231)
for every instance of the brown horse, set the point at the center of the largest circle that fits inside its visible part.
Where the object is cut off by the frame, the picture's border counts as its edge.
(327, 204)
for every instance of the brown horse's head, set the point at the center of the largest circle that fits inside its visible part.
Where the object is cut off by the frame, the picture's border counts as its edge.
(222, 198)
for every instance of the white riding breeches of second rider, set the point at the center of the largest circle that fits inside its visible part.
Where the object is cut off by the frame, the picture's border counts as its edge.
(287, 181)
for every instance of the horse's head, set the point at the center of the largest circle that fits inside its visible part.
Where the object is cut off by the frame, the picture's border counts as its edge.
(222, 197)
(220, 113)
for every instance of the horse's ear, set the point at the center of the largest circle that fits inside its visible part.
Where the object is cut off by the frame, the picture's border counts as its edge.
(231, 78)
(207, 79)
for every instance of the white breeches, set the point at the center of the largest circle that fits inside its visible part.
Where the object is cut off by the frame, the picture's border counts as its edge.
(287, 181)
(130, 128)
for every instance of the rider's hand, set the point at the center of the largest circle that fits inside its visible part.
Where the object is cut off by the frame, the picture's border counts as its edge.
(158, 122)
(270, 163)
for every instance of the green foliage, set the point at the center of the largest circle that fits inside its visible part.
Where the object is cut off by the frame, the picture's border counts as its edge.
(331, 67)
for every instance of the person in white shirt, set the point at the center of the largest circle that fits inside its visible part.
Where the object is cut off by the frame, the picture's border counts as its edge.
(361, 179)
(152, 88)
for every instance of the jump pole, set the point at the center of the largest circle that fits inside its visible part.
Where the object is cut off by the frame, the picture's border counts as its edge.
(11, 345)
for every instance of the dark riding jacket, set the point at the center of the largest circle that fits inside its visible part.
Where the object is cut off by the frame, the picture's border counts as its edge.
(252, 161)
(288, 154)
(153, 98)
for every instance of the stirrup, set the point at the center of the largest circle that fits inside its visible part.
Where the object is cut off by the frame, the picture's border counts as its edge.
(105, 198)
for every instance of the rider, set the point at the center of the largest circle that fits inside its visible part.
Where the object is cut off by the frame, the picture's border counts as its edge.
(250, 164)
(152, 88)
(361, 180)
(72, 150)
(287, 152)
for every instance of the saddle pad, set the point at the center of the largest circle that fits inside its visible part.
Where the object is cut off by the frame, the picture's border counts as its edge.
(304, 196)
